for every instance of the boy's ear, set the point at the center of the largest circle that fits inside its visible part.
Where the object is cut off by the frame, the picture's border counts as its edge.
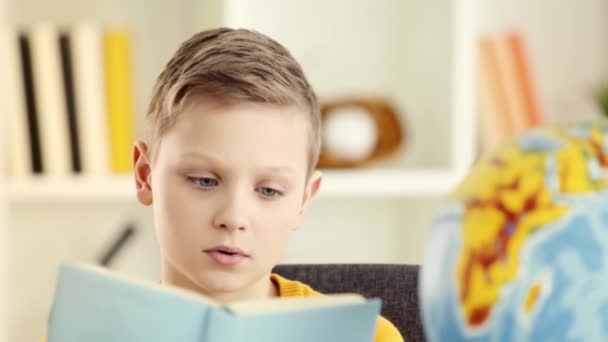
(312, 188)
(142, 170)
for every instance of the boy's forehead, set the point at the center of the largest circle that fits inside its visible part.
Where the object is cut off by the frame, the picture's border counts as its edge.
(217, 105)
(244, 119)
(221, 131)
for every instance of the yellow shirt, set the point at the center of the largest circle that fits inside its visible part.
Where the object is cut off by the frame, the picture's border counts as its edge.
(385, 330)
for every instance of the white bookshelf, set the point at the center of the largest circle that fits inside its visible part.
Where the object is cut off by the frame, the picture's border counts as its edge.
(438, 107)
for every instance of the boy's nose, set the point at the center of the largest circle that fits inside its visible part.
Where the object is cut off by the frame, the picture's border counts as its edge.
(231, 216)
(230, 225)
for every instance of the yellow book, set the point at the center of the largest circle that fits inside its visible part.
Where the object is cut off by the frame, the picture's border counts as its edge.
(119, 93)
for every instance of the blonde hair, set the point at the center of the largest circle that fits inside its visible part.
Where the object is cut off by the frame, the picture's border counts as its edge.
(232, 66)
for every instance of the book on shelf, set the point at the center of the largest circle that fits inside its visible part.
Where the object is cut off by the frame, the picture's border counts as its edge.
(508, 102)
(70, 100)
(19, 156)
(67, 67)
(119, 98)
(50, 98)
(522, 105)
(94, 304)
(495, 124)
(523, 69)
(511, 84)
(87, 56)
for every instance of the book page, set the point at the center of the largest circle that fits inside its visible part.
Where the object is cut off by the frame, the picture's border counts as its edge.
(140, 282)
(252, 307)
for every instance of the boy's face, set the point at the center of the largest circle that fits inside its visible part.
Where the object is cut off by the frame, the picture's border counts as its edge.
(228, 186)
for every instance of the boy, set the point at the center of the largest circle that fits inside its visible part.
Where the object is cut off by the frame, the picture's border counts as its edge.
(228, 165)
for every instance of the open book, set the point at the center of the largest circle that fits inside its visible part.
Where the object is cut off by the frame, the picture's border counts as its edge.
(93, 304)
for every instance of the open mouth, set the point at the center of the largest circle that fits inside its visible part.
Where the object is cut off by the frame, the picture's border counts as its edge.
(226, 256)
(227, 250)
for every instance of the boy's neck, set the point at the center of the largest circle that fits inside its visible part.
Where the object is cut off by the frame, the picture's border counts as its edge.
(264, 288)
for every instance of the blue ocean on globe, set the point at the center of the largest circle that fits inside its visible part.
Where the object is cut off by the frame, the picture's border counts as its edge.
(565, 262)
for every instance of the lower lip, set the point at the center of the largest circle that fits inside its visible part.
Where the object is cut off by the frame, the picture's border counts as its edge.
(226, 259)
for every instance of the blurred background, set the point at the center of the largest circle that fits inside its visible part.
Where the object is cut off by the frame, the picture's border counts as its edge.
(398, 81)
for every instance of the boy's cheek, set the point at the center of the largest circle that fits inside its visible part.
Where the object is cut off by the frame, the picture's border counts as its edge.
(273, 247)
(181, 239)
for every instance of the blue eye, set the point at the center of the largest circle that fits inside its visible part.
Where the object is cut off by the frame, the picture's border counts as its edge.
(204, 182)
(269, 192)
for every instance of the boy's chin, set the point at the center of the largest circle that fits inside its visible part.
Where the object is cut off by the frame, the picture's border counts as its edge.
(217, 281)
(222, 285)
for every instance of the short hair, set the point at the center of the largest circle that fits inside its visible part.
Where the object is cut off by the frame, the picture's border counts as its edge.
(235, 66)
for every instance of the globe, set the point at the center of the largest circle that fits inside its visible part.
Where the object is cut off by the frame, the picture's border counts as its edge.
(519, 250)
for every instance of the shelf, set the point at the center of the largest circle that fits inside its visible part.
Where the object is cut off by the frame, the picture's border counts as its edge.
(344, 183)
(392, 182)
(73, 189)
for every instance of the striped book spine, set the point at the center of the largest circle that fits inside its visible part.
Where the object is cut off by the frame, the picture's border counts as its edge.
(31, 103)
(19, 154)
(65, 45)
(50, 100)
(89, 86)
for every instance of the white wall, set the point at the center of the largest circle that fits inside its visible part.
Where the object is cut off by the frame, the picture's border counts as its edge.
(568, 47)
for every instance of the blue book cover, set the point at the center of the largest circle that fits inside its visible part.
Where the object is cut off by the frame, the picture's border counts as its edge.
(93, 304)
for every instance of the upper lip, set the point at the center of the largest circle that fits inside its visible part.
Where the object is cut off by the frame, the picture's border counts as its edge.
(227, 249)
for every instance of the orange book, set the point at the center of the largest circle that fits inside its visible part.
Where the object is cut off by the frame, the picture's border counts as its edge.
(508, 69)
(495, 123)
(514, 73)
(534, 114)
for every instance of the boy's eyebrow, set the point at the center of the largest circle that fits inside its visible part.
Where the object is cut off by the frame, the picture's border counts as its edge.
(193, 155)
(271, 169)
(280, 169)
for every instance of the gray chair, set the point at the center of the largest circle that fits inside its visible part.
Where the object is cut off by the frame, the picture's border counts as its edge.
(396, 285)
